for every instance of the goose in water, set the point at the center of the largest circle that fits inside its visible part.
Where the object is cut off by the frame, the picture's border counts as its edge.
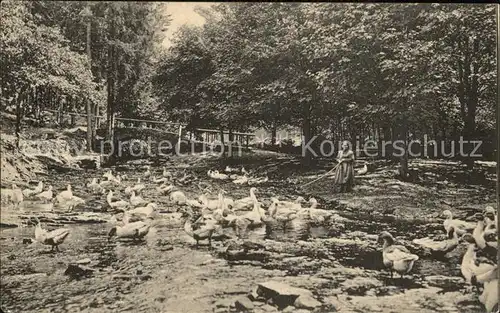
(245, 203)
(135, 230)
(282, 215)
(51, 238)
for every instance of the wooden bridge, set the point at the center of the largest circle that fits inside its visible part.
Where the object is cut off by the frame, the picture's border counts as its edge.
(207, 136)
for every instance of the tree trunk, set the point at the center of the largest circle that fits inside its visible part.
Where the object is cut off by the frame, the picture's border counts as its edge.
(88, 104)
(403, 134)
(307, 133)
(19, 115)
(468, 92)
(273, 134)
(111, 80)
(60, 106)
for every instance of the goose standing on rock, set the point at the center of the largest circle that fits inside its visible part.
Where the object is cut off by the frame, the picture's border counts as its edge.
(51, 238)
(396, 258)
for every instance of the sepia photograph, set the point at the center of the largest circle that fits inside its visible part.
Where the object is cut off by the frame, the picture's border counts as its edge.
(217, 157)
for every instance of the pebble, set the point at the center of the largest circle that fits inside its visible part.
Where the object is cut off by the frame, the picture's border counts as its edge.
(83, 261)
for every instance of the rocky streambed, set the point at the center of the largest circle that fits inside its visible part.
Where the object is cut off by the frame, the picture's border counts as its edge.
(312, 268)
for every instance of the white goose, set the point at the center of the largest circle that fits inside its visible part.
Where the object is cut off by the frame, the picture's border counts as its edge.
(30, 192)
(245, 203)
(295, 205)
(143, 212)
(161, 180)
(281, 215)
(65, 196)
(317, 215)
(166, 173)
(16, 196)
(46, 196)
(178, 197)
(135, 230)
(165, 189)
(52, 238)
(135, 200)
(470, 267)
(216, 175)
(119, 205)
(460, 227)
(241, 180)
(94, 186)
(147, 173)
(396, 257)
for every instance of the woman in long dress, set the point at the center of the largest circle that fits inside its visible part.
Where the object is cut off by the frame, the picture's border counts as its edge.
(344, 176)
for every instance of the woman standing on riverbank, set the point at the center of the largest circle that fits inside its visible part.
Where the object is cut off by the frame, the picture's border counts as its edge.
(344, 176)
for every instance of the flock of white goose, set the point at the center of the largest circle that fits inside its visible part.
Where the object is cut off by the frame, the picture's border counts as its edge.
(479, 263)
(208, 217)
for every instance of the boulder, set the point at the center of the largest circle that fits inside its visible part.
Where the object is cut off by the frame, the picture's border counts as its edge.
(306, 302)
(244, 304)
(282, 295)
(77, 271)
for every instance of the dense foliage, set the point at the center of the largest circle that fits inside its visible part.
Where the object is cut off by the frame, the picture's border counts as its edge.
(343, 70)
(83, 55)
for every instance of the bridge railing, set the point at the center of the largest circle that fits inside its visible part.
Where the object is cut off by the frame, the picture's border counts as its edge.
(204, 135)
